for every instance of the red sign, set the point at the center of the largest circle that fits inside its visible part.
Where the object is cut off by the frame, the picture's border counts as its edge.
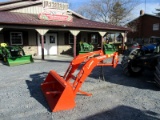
(55, 15)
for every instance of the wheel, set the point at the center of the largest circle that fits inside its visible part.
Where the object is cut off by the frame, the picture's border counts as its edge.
(157, 74)
(129, 65)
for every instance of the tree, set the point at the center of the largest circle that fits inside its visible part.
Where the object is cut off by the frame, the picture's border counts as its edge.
(158, 12)
(108, 11)
(116, 13)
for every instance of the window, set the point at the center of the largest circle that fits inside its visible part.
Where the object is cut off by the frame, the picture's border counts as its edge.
(94, 38)
(16, 38)
(71, 38)
(155, 27)
(52, 39)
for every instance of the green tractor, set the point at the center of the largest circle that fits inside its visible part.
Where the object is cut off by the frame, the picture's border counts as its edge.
(109, 48)
(140, 58)
(14, 55)
(85, 47)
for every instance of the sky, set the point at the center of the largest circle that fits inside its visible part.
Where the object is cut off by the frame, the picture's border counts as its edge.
(148, 6)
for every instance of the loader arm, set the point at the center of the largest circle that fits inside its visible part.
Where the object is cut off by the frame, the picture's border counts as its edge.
(81, 58)
(88, 67)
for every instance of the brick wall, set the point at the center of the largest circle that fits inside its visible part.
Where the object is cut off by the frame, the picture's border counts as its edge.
(144, 28)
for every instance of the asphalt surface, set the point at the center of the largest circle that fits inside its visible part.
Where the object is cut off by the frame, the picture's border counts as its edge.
(117, 98)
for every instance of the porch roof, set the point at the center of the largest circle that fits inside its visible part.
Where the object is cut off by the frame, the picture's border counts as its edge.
(13, 18)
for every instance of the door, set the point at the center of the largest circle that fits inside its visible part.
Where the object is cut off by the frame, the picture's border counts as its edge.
(50, 44)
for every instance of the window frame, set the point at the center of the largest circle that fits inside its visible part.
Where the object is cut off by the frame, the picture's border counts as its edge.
(52, 39)
(69, 38)
(11, 40)
(155, 27)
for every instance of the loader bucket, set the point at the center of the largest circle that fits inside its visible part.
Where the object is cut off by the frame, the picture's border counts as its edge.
(13, 61)
(58, 93)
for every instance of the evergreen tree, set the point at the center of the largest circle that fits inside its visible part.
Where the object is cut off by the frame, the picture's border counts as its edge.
(158, 12)
(117, 13)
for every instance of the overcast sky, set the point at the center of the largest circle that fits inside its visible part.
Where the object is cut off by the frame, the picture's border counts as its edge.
(147, 5)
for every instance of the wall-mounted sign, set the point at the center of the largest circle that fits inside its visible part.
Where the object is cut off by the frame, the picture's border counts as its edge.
(55, 5)
(55, 11)
(55, 15)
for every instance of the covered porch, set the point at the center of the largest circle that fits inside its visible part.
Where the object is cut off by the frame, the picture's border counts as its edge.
(63, 34)
(98, 38)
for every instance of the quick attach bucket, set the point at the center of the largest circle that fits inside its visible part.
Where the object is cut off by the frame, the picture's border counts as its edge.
(58, 93)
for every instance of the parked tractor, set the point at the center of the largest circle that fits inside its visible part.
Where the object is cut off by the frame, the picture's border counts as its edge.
(60, 91)
(139, 58)
(14, 55)
(109, 48)
(85, 47)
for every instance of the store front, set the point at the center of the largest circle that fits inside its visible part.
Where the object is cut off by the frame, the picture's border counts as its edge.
(52, 32)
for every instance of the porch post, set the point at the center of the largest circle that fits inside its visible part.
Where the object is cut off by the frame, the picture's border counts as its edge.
(42, 46)
(75, 45)
(1, 28)
(102, 35)
(124, 39)
(74, 33)
(42, 32)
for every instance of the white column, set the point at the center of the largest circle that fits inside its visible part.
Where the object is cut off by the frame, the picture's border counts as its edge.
(42, 32)
(102, 39)
(1, 28)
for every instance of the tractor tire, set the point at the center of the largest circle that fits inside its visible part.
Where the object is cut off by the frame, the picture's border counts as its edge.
(157, 74)
(127, 65)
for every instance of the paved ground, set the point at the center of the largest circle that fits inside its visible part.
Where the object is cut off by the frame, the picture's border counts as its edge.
(117, 98)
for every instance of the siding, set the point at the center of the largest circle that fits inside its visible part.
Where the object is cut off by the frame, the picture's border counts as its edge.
(32, 39)
(145, 27)
(62, 48)
(30, 10)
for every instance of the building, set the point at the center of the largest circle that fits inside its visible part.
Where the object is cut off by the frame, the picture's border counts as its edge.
(145, 29)
(50, 28)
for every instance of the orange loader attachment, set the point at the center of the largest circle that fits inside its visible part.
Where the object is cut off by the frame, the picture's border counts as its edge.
(60, 92)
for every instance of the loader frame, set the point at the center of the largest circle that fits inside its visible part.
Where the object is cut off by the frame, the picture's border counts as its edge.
(58, 90)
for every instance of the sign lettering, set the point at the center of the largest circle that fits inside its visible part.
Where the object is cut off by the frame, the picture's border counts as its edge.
(55, 5)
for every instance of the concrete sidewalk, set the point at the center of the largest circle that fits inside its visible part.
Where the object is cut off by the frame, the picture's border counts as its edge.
(50, 58)
(66, 58)
(53, 57)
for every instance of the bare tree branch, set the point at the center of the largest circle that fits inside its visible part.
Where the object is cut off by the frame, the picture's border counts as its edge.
(102, 10)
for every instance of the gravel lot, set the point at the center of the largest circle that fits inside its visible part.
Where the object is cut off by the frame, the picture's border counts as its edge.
(117, 98)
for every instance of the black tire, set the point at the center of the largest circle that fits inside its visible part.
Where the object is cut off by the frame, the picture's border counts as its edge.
(157, 74)
(128, 66)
